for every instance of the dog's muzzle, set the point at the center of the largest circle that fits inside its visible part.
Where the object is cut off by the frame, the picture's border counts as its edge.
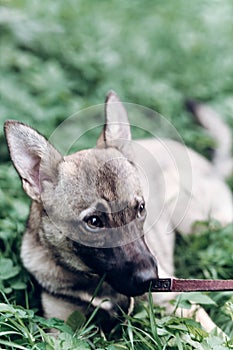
(134, 270)
(129, 269)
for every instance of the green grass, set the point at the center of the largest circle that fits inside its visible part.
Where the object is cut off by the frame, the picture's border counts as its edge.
(57, 58)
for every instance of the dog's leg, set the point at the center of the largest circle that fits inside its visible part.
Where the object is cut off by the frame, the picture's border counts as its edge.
(55, 307)
(166, 269)
(201, 316)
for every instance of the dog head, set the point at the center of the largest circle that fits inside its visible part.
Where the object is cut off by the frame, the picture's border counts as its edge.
(92, 209)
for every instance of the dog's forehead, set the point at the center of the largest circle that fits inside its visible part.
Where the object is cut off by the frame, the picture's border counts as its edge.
(105, 172)
(96, 160)
(116, 178)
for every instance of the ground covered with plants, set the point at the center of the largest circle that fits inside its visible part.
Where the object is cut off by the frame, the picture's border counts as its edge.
(57, 58)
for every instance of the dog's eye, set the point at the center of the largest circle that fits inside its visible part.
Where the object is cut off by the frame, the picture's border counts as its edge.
(141, 210)
(94, 222)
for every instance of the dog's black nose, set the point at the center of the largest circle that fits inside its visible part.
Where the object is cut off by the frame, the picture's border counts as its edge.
(134, 279)
(143, 277)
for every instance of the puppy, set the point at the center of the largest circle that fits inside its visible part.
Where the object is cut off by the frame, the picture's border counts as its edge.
(91, 231)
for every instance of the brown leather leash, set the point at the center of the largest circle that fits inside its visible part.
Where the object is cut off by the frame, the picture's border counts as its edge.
(190, 285)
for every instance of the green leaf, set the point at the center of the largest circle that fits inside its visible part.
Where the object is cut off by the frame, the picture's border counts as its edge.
(201, 299)
(18, 285)
(216, 343)
(185, 300)
(6, 308)
(54, 323)
(76, 320)
(67, 341)
(7, 269)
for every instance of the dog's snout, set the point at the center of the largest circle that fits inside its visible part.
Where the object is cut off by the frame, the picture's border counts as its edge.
(143, 277)
(135, 278)
(143, 280)
(146, 274)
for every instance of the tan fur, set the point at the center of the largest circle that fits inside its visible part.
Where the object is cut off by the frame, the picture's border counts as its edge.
(67, 256)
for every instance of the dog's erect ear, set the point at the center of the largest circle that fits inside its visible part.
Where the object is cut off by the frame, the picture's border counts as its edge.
(116, 122)
(34, 158)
